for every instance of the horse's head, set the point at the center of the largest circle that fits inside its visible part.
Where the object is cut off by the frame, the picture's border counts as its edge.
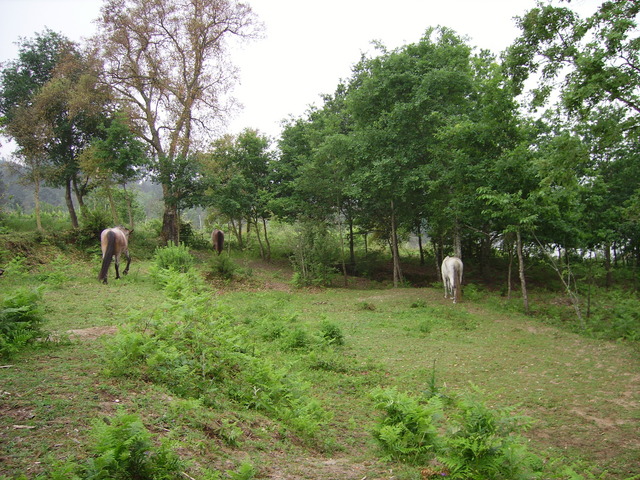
(125, 230)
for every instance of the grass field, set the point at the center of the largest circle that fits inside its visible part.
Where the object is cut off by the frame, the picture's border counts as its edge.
(582, 394)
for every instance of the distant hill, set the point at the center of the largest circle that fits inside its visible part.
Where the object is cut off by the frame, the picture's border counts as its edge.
(15, 196)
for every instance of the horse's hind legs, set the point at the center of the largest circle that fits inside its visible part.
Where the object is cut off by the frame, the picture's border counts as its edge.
(126, 269)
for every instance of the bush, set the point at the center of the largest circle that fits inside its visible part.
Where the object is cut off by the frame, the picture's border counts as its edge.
(409, 429)
(175, 257)
(92, 223)
(123, 450)
(222, 266)
(482, 443)
(196, 351)
(315, 253)
(21, 319)
(332, 333)
(464, 435)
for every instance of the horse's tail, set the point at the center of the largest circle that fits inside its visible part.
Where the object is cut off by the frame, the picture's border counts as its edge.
(220, 241)
(457, 276)
(107, 255)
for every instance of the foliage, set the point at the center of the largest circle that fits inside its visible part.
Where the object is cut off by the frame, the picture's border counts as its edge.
(182, 46)
(197, 351)
(176, 257)
(409, 429)
(56, 273)
(222, 266)
(332, 333)
(470, 439)
(315, 255)
(480, 443)
(92, 223)
(21, 320)
(123, 449)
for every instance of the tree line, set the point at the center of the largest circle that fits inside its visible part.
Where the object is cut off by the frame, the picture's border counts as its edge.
(435, 138)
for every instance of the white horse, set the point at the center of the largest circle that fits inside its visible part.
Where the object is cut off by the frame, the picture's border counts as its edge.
(452, 277)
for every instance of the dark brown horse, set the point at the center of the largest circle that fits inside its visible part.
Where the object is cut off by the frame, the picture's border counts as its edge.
(217, 238)
(114, 242)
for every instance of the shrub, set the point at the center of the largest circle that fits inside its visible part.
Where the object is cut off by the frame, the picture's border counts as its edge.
(482, 443)
(222, 266)
(409, 429)
(123, 449)
(315, 253)
(56, 272)
(332, 333)
(92, 223)
(21, 319)
(176, 257)
(462, 433)
(196, 351)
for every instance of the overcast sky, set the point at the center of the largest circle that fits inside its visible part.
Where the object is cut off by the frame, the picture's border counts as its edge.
(309, 45)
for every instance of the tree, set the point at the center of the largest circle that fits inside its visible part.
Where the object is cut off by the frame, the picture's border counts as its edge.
(166, 60)
(53, 106)
(119, 158)
(20, 82)
(400, 101)
(595, 61)
(239, 171)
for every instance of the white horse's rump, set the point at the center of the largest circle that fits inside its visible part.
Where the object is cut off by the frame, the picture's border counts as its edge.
(452, 277)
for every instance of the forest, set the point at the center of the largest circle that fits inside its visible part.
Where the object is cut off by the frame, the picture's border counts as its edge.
(524, 164)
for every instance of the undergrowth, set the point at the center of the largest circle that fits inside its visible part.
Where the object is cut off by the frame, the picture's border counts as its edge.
(21, 320)
(198, 350)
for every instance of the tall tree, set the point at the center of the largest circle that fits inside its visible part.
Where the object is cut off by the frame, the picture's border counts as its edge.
(593, 64)
(167, 60)
(117, 158)
(240, 182)
(20, 82)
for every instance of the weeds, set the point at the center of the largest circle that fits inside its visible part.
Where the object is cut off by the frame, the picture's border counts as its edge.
(172, 257)
(196, 351)
(21, 321)
(467, 437)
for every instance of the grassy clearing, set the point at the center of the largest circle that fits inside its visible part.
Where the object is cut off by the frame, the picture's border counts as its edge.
(583, 394)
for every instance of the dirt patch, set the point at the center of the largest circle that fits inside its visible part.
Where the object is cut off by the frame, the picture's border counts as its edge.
(92, 333)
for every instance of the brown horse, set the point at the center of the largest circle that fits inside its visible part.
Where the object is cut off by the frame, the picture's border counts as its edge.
(114, 242)
(217, 238)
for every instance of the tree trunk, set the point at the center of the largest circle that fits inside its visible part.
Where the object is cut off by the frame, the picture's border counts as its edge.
(170, 225)
(262, 252)
(352, 248)
(128, 198)
(36, 199)
(607, 264)
(457, 241)
(70, 207)
(438, 258)
(420, 249)
(266, 239)
(510, 247)
(79, 191)
(397, 271)
(523, 282)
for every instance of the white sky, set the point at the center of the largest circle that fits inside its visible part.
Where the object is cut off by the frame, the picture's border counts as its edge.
(309, 45)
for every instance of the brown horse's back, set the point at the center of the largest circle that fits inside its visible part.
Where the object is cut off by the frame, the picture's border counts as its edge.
(114, 242)
(217, 238)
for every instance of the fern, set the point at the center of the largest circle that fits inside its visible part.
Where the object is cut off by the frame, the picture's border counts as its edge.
(409, 430)
(21, 320)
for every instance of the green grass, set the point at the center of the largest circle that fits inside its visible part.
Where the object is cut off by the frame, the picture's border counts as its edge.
(583, 393)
